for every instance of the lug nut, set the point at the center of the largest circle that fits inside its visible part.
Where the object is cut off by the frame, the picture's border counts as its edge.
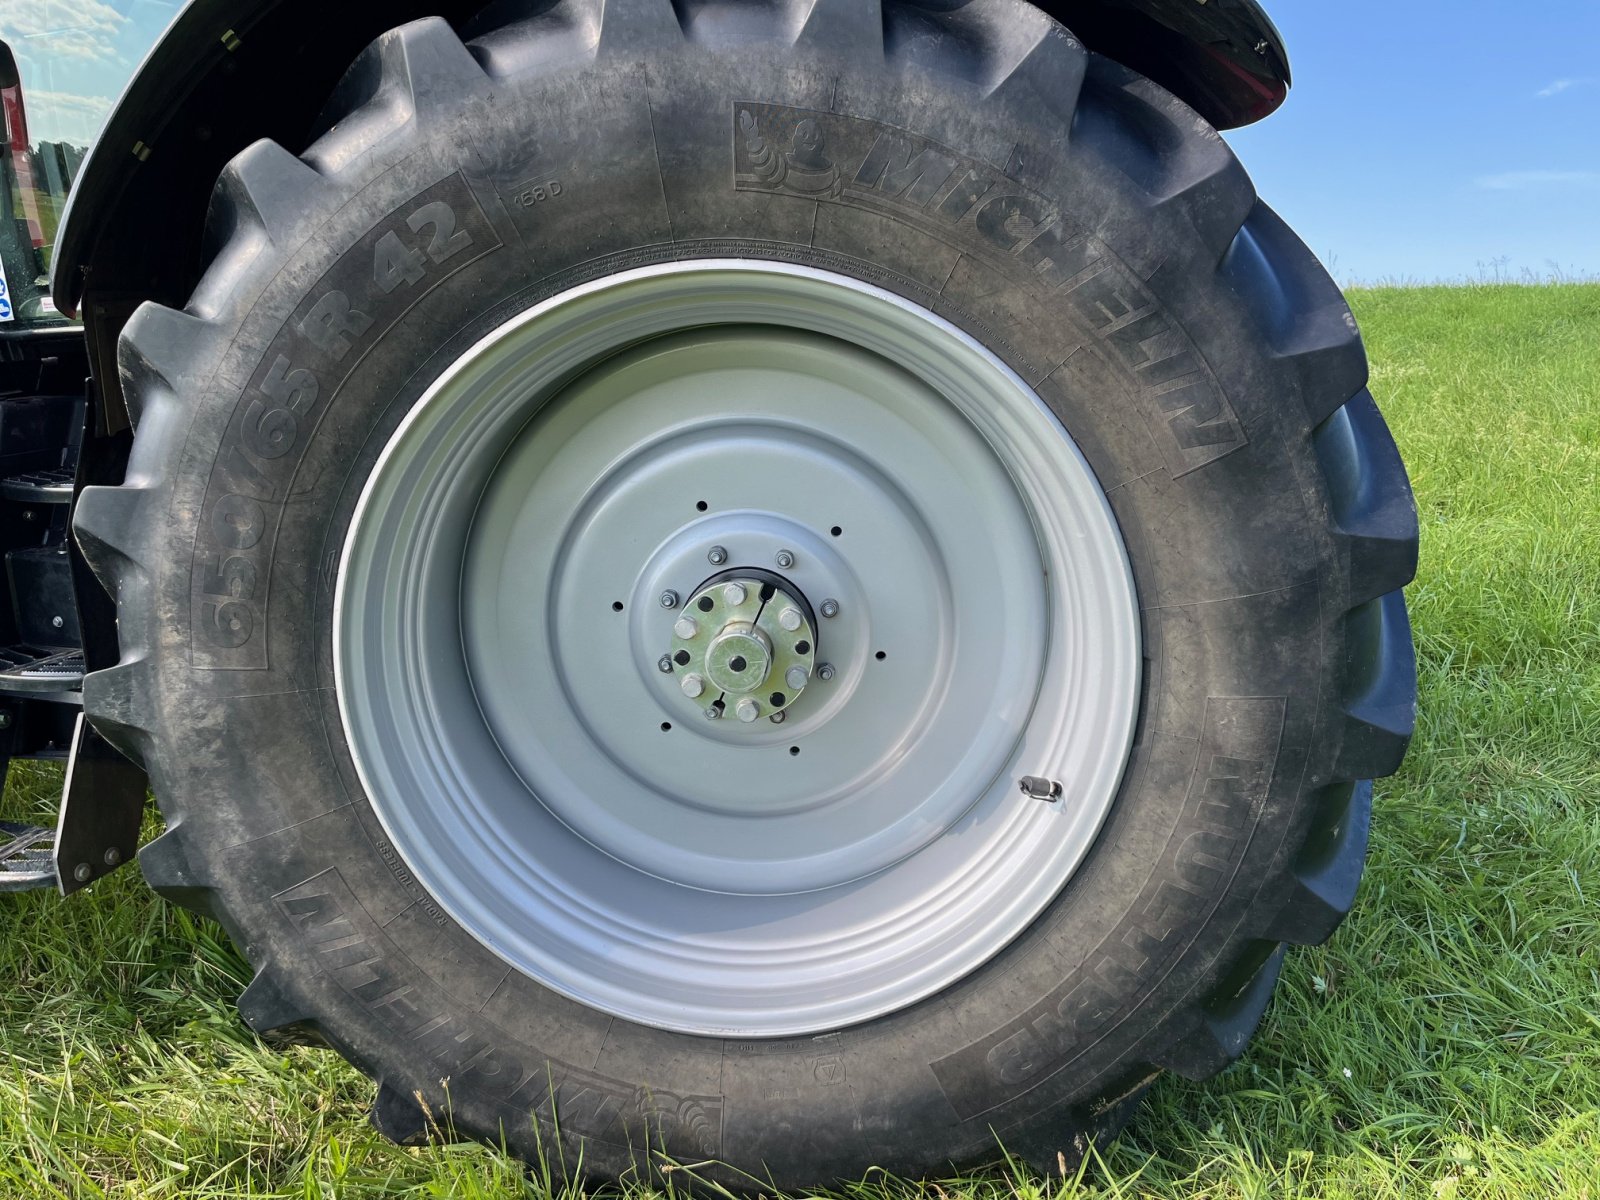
(717, 555)
(784, 558)
(713, 713)
(693, 685)
(734, 595)
(747, 710)
(790, 619)
(779, 717)
(686, 628)
(669, 599)
(664, 664)
(830, 608)
(825, 672)
(796, 678)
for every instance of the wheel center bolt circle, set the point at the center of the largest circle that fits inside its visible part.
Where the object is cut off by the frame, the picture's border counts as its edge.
(744, 644)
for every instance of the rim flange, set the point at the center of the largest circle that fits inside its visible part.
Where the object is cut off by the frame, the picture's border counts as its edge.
(773, 1024)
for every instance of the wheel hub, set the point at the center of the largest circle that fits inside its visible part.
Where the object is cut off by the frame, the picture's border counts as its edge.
(744, 646)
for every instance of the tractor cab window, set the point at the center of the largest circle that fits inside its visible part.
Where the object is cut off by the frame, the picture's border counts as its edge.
(62, 65)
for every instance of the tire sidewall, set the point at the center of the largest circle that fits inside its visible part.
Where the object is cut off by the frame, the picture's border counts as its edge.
(1216, 493)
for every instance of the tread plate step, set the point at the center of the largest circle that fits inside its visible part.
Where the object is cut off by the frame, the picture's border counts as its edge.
(39, 487)
(27, 857)
(40, 669)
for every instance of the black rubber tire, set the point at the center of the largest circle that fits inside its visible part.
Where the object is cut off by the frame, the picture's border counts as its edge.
(1097, 235)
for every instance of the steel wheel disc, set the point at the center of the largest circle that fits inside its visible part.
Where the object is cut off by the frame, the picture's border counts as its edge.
(505, 648)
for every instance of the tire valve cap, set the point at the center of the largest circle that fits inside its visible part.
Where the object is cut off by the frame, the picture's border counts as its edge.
(747, 710)
(686, 628)
(692, 685)
(1038, 788)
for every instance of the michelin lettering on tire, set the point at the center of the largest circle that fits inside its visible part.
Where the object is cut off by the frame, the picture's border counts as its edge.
(849, 160)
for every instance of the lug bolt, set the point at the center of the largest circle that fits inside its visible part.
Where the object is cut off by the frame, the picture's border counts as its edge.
(784, 558)
(790, 619)
(796, 678)
(713, 713)
(747, 710)
(825, 672)
(734, 595)
(779, 717)
(669, 599)
(830, 608)
(717, 555)
(686, 628)
(664, 664)
(692, 685)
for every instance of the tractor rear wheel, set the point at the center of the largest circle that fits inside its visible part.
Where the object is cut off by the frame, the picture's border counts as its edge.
(795, 587)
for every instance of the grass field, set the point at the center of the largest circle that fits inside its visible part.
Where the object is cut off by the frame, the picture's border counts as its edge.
(1445, 1044)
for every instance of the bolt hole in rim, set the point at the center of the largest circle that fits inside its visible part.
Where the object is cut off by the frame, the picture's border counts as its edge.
(687, 883)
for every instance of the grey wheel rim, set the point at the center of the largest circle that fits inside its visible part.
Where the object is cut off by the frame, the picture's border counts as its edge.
(510, 648)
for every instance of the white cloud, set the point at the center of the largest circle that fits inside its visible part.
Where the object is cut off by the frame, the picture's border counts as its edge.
(80, 29)
(1520, 181)
(1556, 87)
(65, 117)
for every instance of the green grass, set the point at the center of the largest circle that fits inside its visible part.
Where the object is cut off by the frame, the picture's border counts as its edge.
(1446, 1044)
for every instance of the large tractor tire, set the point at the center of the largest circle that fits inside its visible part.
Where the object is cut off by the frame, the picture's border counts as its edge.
(791, 587)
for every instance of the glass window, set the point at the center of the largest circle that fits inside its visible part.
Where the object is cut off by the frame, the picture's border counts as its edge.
(63, 63)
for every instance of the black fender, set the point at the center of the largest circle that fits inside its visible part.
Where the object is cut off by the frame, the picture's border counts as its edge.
(228, 72)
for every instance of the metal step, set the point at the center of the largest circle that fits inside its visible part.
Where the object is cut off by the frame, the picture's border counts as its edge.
(27, 857)
(39, 487)
(40, 669)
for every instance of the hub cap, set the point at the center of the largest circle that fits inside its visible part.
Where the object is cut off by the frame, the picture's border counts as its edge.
(696, 628)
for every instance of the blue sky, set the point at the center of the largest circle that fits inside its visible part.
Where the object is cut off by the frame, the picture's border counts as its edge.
(1427, 139)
